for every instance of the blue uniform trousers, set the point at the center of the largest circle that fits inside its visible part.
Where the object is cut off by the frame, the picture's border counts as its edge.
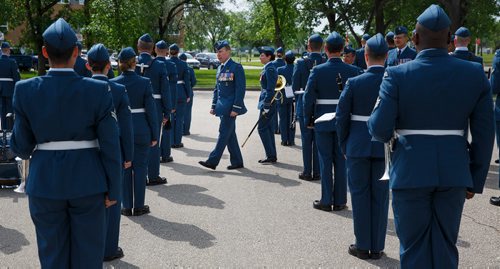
(370, 201)
(6, 108)
(134, 180)
(266, 133)
(286, 114)
(187, 117)
(113, 216)
(154, 152)
(309, 149)
(497, 125)
(427, 223)
(227, 137)
(166, 142)
(333, 189)
(178, 123)
(275, 119)
(70, 233)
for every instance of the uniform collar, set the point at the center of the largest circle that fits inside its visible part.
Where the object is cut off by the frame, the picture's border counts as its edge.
(61, 69)
(461, 49)
(433, 52)
(403, 49)
(226, 62)
(376, 68)
(268, 64)
(100, 77)
(335, 60)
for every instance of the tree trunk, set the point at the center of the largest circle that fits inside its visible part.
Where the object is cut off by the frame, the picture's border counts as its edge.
(89, 40)
(278, 40)
(457, 11)
(380, 26)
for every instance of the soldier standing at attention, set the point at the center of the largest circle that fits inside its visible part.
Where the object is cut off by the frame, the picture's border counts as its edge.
(360, 53)
(402, 53)
(189, 106)
(433, 168)
(461, 41)
(495, 88)
(227, 104)
(364, 157)
(9, 75)
(322, 94)
(278, 62)
(156, 71)
(67, 124)
(144, 122)
(285, 109)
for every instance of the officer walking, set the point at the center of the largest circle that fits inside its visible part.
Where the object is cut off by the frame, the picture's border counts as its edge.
(321, 97)
(166, 138)
(402, 53)
(428, 103)
(156, 71)
(183, 96)
(189, 106)
(462, 40)
(9, 75)
(145, 124)
(364, 157)
(360, 53)
(285, 109)
(98, 59)
(227, 104)
(75, 165)
(300, 75)
(495, 88)
(80, 64)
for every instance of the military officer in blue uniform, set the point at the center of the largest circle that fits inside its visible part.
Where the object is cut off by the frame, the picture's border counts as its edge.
(227, 104)
(402, 53)
(156, 71)
(322, 94)
(364, 157)
(98, 59)
(300, 75)
(9, 75)
(389, 38)
(67, 124)
(145, 124)
(285, 108)
(183, 96)
(80, 64)
(360, 53)
(189, 106)
(166, 138)
(267, 104)
(428, 103)
(349, 56)
(278, 62)
(461, 41)
(495, 88)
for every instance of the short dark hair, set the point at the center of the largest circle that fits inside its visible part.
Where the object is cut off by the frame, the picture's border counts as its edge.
(126, 65)
(98, 66)
(145, 45)
(334, 48)
(173, 52)
(269, 54)
(289, 60)
(374, 56)
(389, 40)
(58, 56)
(315, 45)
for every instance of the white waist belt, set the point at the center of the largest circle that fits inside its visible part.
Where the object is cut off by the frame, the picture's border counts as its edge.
(301, 91)
(138, 110)
(68, 145)
(6, 79)
(429, 132)
(359, 118)
(157, 96)
(180, 82)
(327, 101)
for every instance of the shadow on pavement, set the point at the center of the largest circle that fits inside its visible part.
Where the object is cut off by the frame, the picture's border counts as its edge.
(186, 194)
(119, 264)
(271, 178)
(172, 231)
(385, 262)
(193, 170)
(11, 240)
(201, 138)
(10, 193)
(202, 154)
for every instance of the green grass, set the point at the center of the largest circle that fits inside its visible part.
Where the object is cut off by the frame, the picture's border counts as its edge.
(206, 78)
(488, 59)
(254, 61)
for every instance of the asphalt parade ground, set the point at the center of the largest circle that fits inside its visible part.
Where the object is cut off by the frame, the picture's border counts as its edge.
(256, 217)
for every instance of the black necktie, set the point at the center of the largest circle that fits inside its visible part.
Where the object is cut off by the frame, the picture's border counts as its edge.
(399, 53)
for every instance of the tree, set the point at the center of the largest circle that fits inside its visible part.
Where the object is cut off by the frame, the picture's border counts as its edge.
(204, 28)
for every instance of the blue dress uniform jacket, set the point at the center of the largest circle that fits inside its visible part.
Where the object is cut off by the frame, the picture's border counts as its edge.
(189, 107)
(322, 85)
(183, 92)
(286, 107)
(9, 75)
(359, 61)
(467, 55)
(430, 172)
(405, 56)
(495, 88)
(268, 79)
(166, 139)
(279, 62)
(81, 67)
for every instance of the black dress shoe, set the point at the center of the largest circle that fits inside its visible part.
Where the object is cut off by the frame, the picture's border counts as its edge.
(497, 161)
(268, 160)
(166, 159)
(495, 201)
(232, 167)
(188, 133)
(118, 255)
(305, 177)
(316, 177)
(181, 145)
(339, 207)
(277, 132)
(157, 181)
(319, 206)
(141, 211)
(126, 212)
(207, 165)
(361, 254)
(284, 143)
(375, 255)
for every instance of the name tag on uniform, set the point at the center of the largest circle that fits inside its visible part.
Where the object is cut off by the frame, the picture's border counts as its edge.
(289, 92)
(226, 77)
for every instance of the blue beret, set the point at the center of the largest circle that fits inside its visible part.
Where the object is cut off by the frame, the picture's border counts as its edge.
(98, 52)
(5, 45)
(335, 39)
(289, 55)
(400, 30)
(220, 44)
(434, 18)
(377, 44)
(183, 57)
(390, 35)
(174, 47)
(126, 54)
(146, 38)
(462, 32)
(266, 49)
(279, 50)
(349, 49)
(59, 35)
(161, 45)
(366, 37)
(316, 38)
